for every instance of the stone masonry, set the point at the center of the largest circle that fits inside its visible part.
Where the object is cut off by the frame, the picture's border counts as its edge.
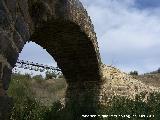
(64, 29)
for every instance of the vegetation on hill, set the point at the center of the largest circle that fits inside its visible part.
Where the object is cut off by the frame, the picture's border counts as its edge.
(133, 73)
(151, 78)
(34, 99)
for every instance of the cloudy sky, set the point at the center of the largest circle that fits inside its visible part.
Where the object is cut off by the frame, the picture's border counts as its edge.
(128, 34)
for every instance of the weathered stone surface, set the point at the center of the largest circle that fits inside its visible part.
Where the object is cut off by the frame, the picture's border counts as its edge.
(6, 105)
(21, 27)
(11, 7)
(4, 20)
(18, 40)
(6, 77)
(0, 70)
(7, 48)
(83, 97)
(2, 5)
(1, 84)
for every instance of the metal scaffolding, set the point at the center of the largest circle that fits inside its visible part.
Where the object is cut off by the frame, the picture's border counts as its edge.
(36, 67)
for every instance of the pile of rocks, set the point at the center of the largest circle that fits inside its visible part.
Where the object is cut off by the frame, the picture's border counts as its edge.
(122, 84)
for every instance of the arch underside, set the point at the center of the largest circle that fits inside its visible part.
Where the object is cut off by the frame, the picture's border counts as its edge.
(71, 48)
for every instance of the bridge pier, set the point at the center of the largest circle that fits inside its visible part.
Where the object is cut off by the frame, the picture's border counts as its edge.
(6, 103)
(82, 98)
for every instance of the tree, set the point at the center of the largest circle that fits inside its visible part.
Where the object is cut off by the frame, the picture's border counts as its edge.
(60, 76)
(38, 77)
(158, 70)
(50, 75)
(134, 72)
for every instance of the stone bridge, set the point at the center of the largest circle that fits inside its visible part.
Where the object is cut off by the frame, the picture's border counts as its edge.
(64, 29)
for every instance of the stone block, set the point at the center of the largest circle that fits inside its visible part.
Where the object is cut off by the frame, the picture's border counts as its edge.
(4, 19)
(6, 104)
(11, 5)
(3, 41)
(1, 84)
(22, 28)
(23, 4)
(2, 5)
(6, 48)
(18, 40)
(6, 77)
(0, 70)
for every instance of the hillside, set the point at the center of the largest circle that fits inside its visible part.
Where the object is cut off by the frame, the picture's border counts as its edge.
(122, 84)
(45, 91)
(36, 98)
(116, 83)
(152, 79)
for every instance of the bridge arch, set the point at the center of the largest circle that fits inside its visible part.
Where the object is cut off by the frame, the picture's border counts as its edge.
(64, 29)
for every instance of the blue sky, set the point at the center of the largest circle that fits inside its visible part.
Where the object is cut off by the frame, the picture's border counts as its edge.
(128, 34)
(147, 4)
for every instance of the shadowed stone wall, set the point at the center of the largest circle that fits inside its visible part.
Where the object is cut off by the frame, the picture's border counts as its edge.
(64, 29)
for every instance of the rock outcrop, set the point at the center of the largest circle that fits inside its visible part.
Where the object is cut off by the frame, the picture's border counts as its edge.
(118, 83)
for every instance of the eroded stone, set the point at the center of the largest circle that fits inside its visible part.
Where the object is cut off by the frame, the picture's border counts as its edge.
(6, 77)
(6, 104)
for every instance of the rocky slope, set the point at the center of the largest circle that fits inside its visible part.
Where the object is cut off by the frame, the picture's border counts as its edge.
(121, 84)
(150, 79)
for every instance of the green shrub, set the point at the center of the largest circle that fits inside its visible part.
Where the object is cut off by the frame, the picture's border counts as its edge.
(125, 106)
(60, 76)
(20, 86)
(133, 73)
(37, 77)
(50, 75)
(26, 107)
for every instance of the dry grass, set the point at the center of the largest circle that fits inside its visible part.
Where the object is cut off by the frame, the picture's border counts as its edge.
(150, 79)
(49, 91)
(24, 90)
(45, 91)
(120, 83)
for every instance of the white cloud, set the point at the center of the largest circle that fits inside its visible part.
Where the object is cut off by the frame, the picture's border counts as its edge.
(126, 34)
